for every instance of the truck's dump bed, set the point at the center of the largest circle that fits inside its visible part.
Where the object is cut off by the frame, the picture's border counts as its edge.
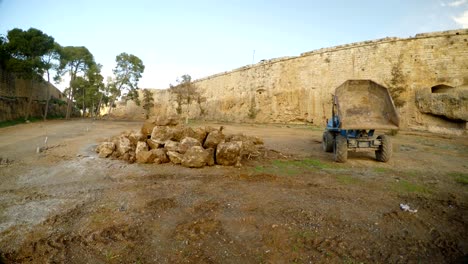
(364, 104)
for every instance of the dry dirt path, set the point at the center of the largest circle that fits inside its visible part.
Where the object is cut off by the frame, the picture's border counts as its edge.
(292, 204)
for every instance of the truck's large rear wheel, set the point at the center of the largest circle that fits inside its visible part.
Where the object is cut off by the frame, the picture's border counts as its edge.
(340, 149)
(327, 141)
(384, 153)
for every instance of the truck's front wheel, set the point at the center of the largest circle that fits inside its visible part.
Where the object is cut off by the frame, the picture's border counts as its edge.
(384, 153)
(327, 141)
(340, 149)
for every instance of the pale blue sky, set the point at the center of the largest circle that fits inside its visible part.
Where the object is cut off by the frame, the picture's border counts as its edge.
(206, 37)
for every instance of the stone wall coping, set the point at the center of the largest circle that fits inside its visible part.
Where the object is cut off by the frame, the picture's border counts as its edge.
(340, 48)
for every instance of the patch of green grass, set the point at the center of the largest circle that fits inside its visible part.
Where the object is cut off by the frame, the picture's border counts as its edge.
(17, 121)
(299, 239)
(346, 179)
(260, 169)
(380, 170)
(293, 167)
(110, 256)
(459, 177)
(413, 173)
(285, 167)
(406, 186)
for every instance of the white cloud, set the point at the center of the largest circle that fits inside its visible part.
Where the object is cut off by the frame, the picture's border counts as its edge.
(457, 3)
(462, 20)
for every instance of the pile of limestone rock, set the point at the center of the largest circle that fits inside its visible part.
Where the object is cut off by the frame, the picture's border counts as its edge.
(164, 140)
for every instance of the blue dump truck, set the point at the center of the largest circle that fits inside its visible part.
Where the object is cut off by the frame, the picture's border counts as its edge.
(359, 108)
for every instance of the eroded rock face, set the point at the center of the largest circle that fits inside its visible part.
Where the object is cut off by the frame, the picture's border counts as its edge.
(105, 149)
(229, 153)
(195, 157)
(452, 105)
(175, 157)
(187, 143)
(213, 139)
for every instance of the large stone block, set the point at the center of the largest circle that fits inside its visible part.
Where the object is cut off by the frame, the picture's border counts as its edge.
(161, 156)
(124, 145)
(195, 157)
(145, 156)
(229, 153)
(175, 157)
(160, 134)
(141, 146)
(105, 149)
(213, 139)
(187, 143)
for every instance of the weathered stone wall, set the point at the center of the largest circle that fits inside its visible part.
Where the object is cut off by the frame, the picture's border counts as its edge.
(299, 89)
(14, 93)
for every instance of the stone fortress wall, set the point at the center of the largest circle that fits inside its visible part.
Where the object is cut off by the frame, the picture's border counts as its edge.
(14, 93)
(426, 74)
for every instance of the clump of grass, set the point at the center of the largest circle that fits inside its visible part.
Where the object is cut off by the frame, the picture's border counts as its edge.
(406, 186)
(300, 239)
(459, 177)
(260, 169)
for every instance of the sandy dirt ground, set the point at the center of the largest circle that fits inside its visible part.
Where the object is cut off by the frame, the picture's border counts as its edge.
(292, 204)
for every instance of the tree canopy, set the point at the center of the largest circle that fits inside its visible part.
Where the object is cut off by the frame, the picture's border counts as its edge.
(26, 49)
(127, 73)
(31, 54)
(25, 52)
(74, 60)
